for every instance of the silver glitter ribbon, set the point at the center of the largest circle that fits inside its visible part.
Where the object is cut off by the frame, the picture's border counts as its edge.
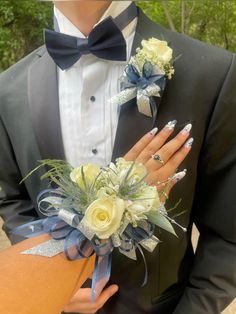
(142, 95)
(47, 249)
(70, 218)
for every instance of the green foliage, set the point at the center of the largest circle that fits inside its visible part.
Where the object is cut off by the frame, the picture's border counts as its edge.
(22, 21)
(21, 25)
(213, 21)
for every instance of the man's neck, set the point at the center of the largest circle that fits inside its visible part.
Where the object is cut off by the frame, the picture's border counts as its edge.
(83, 14)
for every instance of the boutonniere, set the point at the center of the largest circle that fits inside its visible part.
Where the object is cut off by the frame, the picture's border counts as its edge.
(145, 75)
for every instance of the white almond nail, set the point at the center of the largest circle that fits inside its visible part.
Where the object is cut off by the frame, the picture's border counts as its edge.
(189, 143)
(170, 125)
(153, 131)
(187, 129)
(178, 176)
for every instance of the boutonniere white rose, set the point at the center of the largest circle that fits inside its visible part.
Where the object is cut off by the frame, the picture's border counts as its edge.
(145, 75)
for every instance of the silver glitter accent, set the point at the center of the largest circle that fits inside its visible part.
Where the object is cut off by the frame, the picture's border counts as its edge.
(47, 249)
(150, 243)
(153, 90)
(87, 232)
(143, 104)
(71, 219)
(124, 96)
(130, 254)
(143, 98)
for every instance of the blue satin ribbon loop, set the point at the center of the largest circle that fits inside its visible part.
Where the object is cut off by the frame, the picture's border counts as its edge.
(147, 69)
(134, 79)
(71, 245)
(103, 248)
(145, 279)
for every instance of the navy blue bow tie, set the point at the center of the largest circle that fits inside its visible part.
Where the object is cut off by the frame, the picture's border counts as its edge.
(105, 41)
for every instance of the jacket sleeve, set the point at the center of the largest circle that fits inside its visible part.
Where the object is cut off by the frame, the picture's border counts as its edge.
(212, 283)
(15, 205)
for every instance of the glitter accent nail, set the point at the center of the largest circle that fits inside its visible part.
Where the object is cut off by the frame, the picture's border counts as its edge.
(189, 142)
(153, 131)
(170, 125)
(178, 176)
(187, 129)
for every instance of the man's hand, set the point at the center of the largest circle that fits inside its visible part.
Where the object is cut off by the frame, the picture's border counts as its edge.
(80, 302)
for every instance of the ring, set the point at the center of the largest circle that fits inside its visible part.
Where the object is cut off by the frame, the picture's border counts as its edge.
(157, 157)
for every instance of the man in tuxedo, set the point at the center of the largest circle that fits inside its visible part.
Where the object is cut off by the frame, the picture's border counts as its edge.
(39, 118)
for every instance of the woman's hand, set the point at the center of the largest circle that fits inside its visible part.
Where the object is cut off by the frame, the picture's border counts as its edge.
(162, 158)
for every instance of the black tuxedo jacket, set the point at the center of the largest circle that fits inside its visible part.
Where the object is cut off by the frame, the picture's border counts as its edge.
(202, 91)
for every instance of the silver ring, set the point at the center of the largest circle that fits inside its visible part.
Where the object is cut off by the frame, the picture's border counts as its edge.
(157, 157)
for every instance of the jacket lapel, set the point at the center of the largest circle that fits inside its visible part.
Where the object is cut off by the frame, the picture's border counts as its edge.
(132, 125)
(44, 106)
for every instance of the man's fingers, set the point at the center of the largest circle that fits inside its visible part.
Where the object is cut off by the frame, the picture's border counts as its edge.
(80, 303)
(106, 295)
(140, 145)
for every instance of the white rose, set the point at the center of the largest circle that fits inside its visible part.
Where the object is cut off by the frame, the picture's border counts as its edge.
(156, 49)
(90, 171)
(104, 216)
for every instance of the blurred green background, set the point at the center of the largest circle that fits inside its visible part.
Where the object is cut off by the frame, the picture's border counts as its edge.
(22, 21)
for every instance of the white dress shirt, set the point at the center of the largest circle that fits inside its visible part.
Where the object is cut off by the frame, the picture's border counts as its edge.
(88, 122)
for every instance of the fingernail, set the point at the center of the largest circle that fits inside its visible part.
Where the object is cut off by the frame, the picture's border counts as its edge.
(187, 129)
(170, 125)
(178, 176)
(153, 131)
(115, 289)
(189, 142)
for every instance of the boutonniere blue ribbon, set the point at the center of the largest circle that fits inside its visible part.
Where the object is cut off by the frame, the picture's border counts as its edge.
(151, 82)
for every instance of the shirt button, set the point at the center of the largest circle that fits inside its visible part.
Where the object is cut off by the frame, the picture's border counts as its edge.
(92, 98)
(94, 151)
